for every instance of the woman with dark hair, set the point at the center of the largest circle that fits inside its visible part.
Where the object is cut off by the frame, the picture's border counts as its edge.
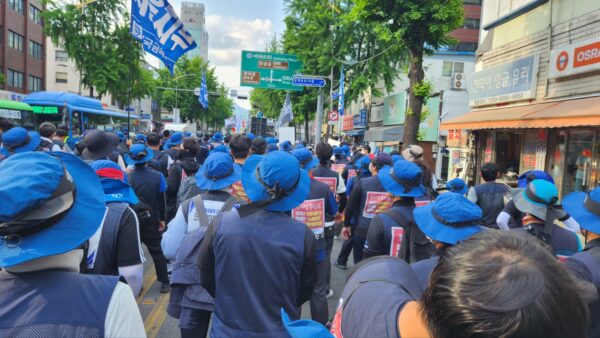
(185, 166)
(494, 284)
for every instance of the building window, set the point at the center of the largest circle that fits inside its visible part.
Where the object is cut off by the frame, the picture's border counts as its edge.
(34, 14)
(34, 84)
(61, 55)
(15, 41)
(35, 49)
(61, 77)
(16, 5)
(471, 23)
(15, 79)
(450, 68)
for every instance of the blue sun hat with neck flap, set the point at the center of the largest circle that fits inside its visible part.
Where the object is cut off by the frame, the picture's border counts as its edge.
(19, 140)
(274, 182)
(63, 207)
(458, 186)
(115, 188)
(217, 137)
(306, 159)
(286, 146)
(451, 218)
(175, 140)
(138, 154)
(218, 172)
(404, 179)
(584, 208)
(531, 175)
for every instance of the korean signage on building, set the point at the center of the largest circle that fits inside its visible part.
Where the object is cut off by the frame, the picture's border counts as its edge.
(360, 119)
(514, 81)
(347, 122)
(394, 109)
(581, 57)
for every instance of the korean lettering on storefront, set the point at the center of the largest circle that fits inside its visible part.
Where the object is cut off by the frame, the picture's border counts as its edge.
(377, 202)
(514, 81)
(577, 58)
(347, 122)
(457, 138)
(311, 213)
(489, 142)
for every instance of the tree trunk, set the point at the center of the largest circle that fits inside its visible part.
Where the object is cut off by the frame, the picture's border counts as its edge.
(306, 138)
(415, 103)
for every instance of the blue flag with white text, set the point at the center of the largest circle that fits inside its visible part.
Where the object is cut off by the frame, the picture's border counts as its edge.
(203, 97)
(156, 25)
(341, 94)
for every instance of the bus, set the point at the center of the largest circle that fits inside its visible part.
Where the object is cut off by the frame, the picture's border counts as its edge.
(18, 114)
(80, 113)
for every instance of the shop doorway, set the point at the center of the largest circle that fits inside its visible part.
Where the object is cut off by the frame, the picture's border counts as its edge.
(578, 161)
(508, 151)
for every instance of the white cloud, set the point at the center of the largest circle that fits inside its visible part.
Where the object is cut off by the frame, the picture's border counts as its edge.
(228, 36)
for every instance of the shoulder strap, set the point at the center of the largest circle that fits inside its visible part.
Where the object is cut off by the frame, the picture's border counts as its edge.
(200, 210)
(397, 216)
(185, 207)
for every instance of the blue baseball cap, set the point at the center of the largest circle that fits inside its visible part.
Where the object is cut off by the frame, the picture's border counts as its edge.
(584, 208)
(218, 172)
(451, 218)
(306, 159)
(19, 140)
(113, 182)
(272, 147)
(251, 136)
(304, 328)
(537, 198)
(63, 207)
(286, 146)
(457, 185)
(140, 138)
(138, 153)
(404, 179)
(275, 180)
(217, 137)
(121, 136)
(531, 175)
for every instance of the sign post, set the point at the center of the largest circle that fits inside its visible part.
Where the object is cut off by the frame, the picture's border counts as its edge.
(269, 70)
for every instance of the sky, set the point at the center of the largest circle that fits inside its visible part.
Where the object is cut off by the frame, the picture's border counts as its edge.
(236, 25)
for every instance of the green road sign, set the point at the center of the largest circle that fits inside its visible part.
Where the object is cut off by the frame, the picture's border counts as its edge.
(269, 70)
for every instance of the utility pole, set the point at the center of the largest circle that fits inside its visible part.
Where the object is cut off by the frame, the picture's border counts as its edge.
(319, 119)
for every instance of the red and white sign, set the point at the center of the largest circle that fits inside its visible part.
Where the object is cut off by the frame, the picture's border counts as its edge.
(396, 241)
(333, 117)
(330, 181)
(338, 167)
(311, 213)
(347, 122)
(377, 202)
(581, 57)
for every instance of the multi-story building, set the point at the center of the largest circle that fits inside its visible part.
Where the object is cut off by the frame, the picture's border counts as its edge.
(193, 15)
(535, 96)
(23, 45)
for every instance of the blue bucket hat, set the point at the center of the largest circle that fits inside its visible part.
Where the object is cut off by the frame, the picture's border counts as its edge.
(346, 149)
(138, 153)
(457, 185)
(404, 179)
(140, 138)
(396, 158)
(451, 218)
(19, 140)
(63, 207)
(217, 137)
(220, 149)
(270, 140)
(584, 208)
(531, 175)
(286, 146)
(272, 147)
(304, 328)
(251, 136)
(537, 199)
(187, 134)
(175, 139)
(115, 190)
(275, 181)
(121, 136)
(306, 159)
(218, 172)
(363, 163)
(337, 151)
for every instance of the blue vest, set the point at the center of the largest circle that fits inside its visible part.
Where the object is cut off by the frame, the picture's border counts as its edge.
(322, 171)
(423, 270)
(54, 303)
(490, 198)
(406, 212)
(369, 184)
(106, 256)
(373, 297)
(564, 242)
(258, 261)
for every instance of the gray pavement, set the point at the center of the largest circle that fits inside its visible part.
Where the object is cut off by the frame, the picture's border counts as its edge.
(153, 304)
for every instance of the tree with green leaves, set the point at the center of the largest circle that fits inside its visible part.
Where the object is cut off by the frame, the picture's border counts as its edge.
(418, 27)
(187, 76)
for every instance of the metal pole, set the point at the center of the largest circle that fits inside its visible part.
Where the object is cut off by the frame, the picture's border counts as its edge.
(129, 103)
(319, 122)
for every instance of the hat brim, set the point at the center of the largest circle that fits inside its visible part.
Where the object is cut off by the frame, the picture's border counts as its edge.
(34, 143)
(396, 189)
(256, 191)
(524, 204)
(146, 159)
(79, 224)
(439, 231)
(205, 183)
(573, 204)
(461, 191)
(94, 156)
(311, 165)
(118, 191)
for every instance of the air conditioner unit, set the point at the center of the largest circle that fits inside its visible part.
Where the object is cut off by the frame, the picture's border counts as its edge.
(458, 81)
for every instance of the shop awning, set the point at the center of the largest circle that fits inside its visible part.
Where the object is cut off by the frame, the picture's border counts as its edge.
(385, 134)
(355, 132)
(570, 113)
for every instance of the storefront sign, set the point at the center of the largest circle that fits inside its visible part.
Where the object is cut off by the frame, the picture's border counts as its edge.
(311, 213)
(330, 181)
(574, 59)
(360, 120)
(489, 142)
(457, 138)
(347, 122)
(394, 109)
(377, 202)
(514, 81)
(396, 241)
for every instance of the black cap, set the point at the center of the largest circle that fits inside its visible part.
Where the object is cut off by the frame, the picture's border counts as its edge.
(97, 144)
